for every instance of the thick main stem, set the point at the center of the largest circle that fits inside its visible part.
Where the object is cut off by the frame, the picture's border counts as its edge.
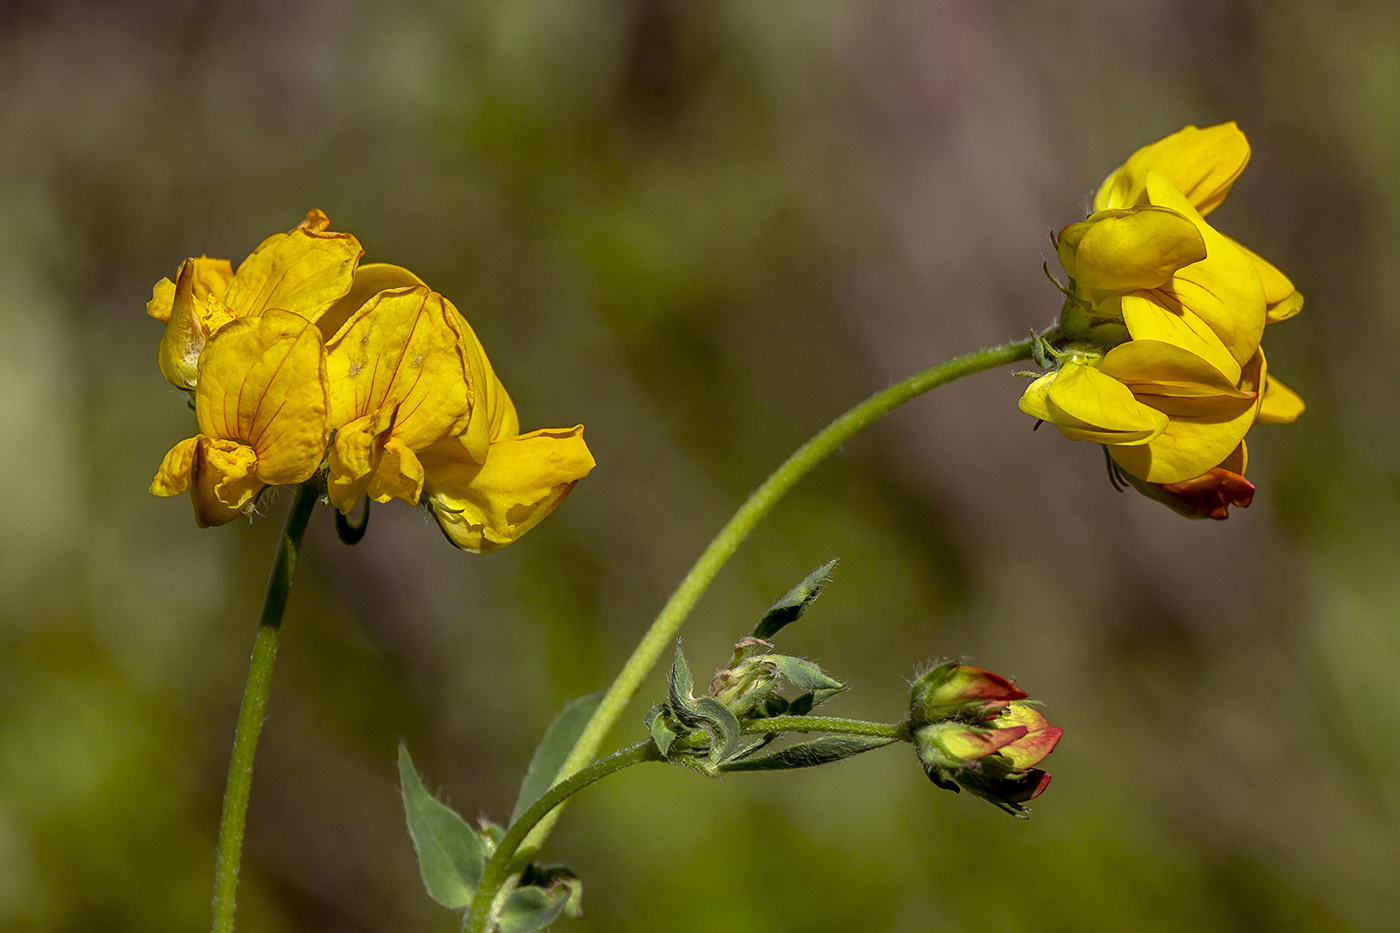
(250, 714)
(663, 630)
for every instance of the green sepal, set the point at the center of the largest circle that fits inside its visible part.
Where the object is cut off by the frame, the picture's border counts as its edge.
(682, 682)
(819, 751)
(451, 855)
(791, 607)
(549, 755)
(723, 727)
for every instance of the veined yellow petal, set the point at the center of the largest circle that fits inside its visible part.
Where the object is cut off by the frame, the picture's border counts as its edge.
(1157, 316)
(483, 507)
(1201, 163)
(1223, 289)
(402, 350)
(210, 277)
(173, 477)
(1087, 405)
(1123, 251)
(1157, 368)
(1033, 401)
(262, 382)
(370, 279)
(1200, 435)
(1237, 459)
(1280, 405)
(306, 271)
(189, 323)
(493, 415)
(226, 481)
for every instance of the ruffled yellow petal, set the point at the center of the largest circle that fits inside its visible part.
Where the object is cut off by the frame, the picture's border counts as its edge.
(1223, 289)
(483, 507)
(1155, 368)
(306, 271)
(1123, 251)
(1280, 405)
(262, 382)
(402, 349)
(1201, 433)
(211, 277)
(400, 474)
(1157, 316)
(1201, 163)
(226, 482)
(173, 477)
(1087, 405)
(191, 319)
(370, 279)
(354, 457)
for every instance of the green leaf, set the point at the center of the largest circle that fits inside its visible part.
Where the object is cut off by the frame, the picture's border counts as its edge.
(451, 856)
(549, 755)
(819, 751)
(533, 908)
(661, 732)
(682, 703)
(791, 607)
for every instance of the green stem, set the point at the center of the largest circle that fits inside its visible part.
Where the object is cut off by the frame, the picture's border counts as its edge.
(663, 630)
(499, 868)
(250, 714)
(886, 730)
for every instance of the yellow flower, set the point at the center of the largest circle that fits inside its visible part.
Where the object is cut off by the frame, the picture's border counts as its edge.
(1158, 353)
(262, 413)
(305, 271)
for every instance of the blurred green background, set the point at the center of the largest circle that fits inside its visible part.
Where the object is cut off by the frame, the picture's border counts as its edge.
(701, 229)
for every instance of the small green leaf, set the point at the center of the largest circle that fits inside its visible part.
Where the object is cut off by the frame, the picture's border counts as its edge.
(529, 909)
(791, 607)
(724, 729)
(451, 856)
(549, 755)
(661, 732)
(819, 751)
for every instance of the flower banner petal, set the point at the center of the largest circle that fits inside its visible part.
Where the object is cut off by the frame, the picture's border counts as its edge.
(305, 271)
(1201, 163)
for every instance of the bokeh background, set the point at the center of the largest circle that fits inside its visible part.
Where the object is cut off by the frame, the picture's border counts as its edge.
(701, 229)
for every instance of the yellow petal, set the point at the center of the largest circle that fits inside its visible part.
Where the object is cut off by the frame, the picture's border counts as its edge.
(493, 415)
(211, 277)
(370, 279)
(190, 321)
(226, 483)
(400, 474)
(483, 507)
(403, 351)
(1281, 405)
(1157, 316)
(1201, 163)
(1125, 251)
(1281, 299)
(162, 297)
(173, 477)
(1201, 433)
(1087, 405)
(262, 382)
(305, 271)
(1237, 459)
(354, 458)
(1223, 289)
(1156, 368)
(1033, 401)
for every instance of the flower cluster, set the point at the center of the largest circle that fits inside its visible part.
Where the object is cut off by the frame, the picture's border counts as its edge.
(975, 731)
(303, 360)
(1157, 353)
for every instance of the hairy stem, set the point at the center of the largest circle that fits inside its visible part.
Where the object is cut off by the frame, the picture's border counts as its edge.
(834, 724)
(663, 630)
(504, 861)
(250, 714)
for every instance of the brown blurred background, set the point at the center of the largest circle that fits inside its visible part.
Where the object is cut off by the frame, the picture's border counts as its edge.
(702, 229)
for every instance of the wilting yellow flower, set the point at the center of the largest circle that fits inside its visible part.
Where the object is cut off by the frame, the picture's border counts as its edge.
(305, 271)
(1157, 348)
(301, 345)
(262, 413)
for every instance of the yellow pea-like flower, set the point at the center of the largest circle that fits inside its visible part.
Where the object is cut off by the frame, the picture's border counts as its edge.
(305, 271)
(1158, 346)
(262, 412)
